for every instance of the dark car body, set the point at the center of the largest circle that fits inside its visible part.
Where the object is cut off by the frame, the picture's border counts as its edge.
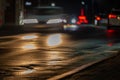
(114, 20)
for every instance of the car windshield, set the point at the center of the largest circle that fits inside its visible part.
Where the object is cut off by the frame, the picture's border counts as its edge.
(46, 11)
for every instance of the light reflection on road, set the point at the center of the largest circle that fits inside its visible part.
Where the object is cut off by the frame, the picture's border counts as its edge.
(54, 57)
(29, 37)
(24, 72)
(110, 37)
(36, 50)
(22, 60)
(29, 46)
(54, 40)
(42, 52)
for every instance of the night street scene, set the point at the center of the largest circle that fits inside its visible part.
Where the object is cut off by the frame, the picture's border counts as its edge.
(59, 40)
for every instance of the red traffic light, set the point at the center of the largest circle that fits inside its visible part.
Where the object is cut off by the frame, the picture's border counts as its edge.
(98, 18)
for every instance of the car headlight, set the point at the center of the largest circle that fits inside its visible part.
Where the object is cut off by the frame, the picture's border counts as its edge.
(70, 27)
(30, 21)
(73, 20)
(51, 21)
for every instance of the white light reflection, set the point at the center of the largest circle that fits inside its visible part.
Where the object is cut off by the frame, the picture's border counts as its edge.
(54, 40)
(29, 46)
(25, 72)
(29, 37)
(54, 57)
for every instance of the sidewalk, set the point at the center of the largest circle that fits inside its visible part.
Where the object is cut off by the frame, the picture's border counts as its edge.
(10, 30)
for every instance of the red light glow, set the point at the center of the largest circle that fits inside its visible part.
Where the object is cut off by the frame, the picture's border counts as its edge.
(110, 44)
(82, 17)
(98, 18)
(110, 31)
(112, 16)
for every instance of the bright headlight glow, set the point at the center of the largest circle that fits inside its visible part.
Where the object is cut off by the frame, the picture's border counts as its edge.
(70, 27)
(65, 21)
(118, 18)
(28, 21)
(54, 21)
(73, 20)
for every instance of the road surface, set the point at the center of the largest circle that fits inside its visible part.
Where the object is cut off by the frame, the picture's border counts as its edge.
(106, 70)
(42, 55)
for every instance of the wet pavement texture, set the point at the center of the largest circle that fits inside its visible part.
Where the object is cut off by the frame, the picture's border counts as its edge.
(105, 70)
(38, 56)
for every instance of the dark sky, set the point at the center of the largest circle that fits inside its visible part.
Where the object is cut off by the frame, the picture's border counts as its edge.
(100, 6)
(92, 7)
(74, 6)
(71, 6)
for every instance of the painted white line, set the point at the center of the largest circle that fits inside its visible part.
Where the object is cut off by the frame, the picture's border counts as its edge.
(112, 51)
(78, 69)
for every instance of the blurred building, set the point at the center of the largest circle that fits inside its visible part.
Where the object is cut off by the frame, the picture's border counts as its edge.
(11, 12)
(2, 3)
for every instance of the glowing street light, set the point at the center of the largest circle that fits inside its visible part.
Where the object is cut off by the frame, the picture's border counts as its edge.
(83, 3)
(53, 4)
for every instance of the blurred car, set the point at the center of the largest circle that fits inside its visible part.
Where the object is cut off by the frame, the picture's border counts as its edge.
(44, 15)
(72, 19)
(114, 19)
(71, 24)
(71, 27)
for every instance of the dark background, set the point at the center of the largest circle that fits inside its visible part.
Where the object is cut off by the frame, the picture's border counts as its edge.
(73, 6)
(91, 7)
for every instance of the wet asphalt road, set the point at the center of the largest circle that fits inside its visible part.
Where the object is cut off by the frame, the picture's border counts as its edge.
(105, 70)
(41, 55)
